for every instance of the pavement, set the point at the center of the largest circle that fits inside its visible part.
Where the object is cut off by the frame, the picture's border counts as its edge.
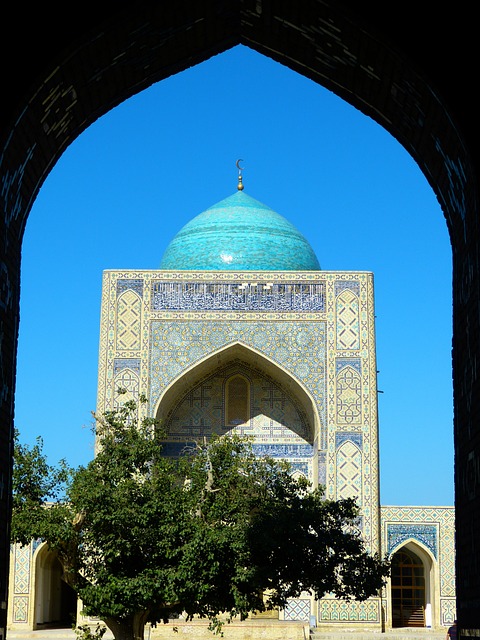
(397, 634)
(49, 634)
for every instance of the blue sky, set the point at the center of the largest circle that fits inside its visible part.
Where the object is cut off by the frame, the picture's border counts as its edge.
(123, 189)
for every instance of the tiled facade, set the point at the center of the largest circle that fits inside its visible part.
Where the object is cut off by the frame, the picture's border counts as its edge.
(305, 342)
(301, 345)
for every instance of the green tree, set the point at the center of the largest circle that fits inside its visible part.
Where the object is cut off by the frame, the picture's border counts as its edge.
(218, 532)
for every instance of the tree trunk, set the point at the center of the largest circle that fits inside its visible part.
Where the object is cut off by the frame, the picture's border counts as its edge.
(131, 628)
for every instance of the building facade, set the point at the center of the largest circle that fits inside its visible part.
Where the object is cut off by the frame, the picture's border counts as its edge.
(240, 330)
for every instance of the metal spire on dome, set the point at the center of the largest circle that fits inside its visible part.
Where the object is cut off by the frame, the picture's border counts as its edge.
(240, 169)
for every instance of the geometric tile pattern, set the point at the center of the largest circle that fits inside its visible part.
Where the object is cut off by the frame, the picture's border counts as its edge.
(349, 398)
(349, 472)
(132, 284)
(398, 533)
(348, 328)
(22, 560)
(129, 311)
(20, 608)
(126, 380)
(330, 610)
(298, 348)
(276, 422)
(297, 609)
(352, 285)
(448, 610)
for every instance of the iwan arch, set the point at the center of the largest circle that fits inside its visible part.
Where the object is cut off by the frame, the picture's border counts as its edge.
(414, 91)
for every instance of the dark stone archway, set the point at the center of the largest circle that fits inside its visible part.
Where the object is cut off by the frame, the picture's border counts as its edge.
(408, 71)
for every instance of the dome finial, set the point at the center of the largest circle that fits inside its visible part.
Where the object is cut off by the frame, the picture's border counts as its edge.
(240, 169)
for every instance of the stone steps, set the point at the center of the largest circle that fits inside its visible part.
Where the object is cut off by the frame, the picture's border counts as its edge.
(397, 634)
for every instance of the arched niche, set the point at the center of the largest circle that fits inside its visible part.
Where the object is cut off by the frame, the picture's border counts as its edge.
(55, 602)
(253, 359)
(412, 588)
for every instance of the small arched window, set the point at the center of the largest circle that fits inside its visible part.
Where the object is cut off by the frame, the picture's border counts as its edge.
(237, 401)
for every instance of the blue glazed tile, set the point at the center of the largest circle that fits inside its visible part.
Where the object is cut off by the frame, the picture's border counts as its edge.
(240, 233)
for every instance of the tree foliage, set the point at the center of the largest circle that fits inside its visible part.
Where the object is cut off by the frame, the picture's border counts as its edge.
(217, 532)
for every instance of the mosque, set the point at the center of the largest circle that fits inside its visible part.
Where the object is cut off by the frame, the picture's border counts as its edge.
(240, 330)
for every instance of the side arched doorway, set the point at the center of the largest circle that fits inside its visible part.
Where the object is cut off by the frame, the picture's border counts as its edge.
(55, 602)
(411, 588)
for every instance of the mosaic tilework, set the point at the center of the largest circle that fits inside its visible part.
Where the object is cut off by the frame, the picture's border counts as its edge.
(22, 561)
(349, 472)
(130, 284)
(434, 529)
(297, 609)
(299, 348)
(129, 309)
(322, 468)
(235, 296)
(315, 327)
(349, 395)
(448, 611)
(20, 608)
(348, 336)
(425, 533)
(278, 425)
(338, 611)
(126, 378)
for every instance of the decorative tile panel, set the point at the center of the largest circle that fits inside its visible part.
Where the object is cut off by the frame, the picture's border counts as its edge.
(20, 608)
(134, 284)
(129, 313)
(347, 312)
(413, 519)
(297, 609)
(349, 392)
(238, 296)
(339, 611)
(349, 472)
(22, 561)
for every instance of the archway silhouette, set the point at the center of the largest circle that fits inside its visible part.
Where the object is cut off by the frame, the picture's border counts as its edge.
(412, 589)
(116, 55)
(55, 601)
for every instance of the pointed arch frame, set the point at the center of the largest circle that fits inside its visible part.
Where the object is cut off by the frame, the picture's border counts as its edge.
(432, 581)
(94, 63)
(252, 357)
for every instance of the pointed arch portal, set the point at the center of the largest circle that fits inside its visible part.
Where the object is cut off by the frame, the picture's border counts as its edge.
(408, 586)
(240, 354)
(410, 74)
(55, 601)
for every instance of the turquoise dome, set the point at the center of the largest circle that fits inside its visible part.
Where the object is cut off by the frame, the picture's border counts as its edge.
(241, 234)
